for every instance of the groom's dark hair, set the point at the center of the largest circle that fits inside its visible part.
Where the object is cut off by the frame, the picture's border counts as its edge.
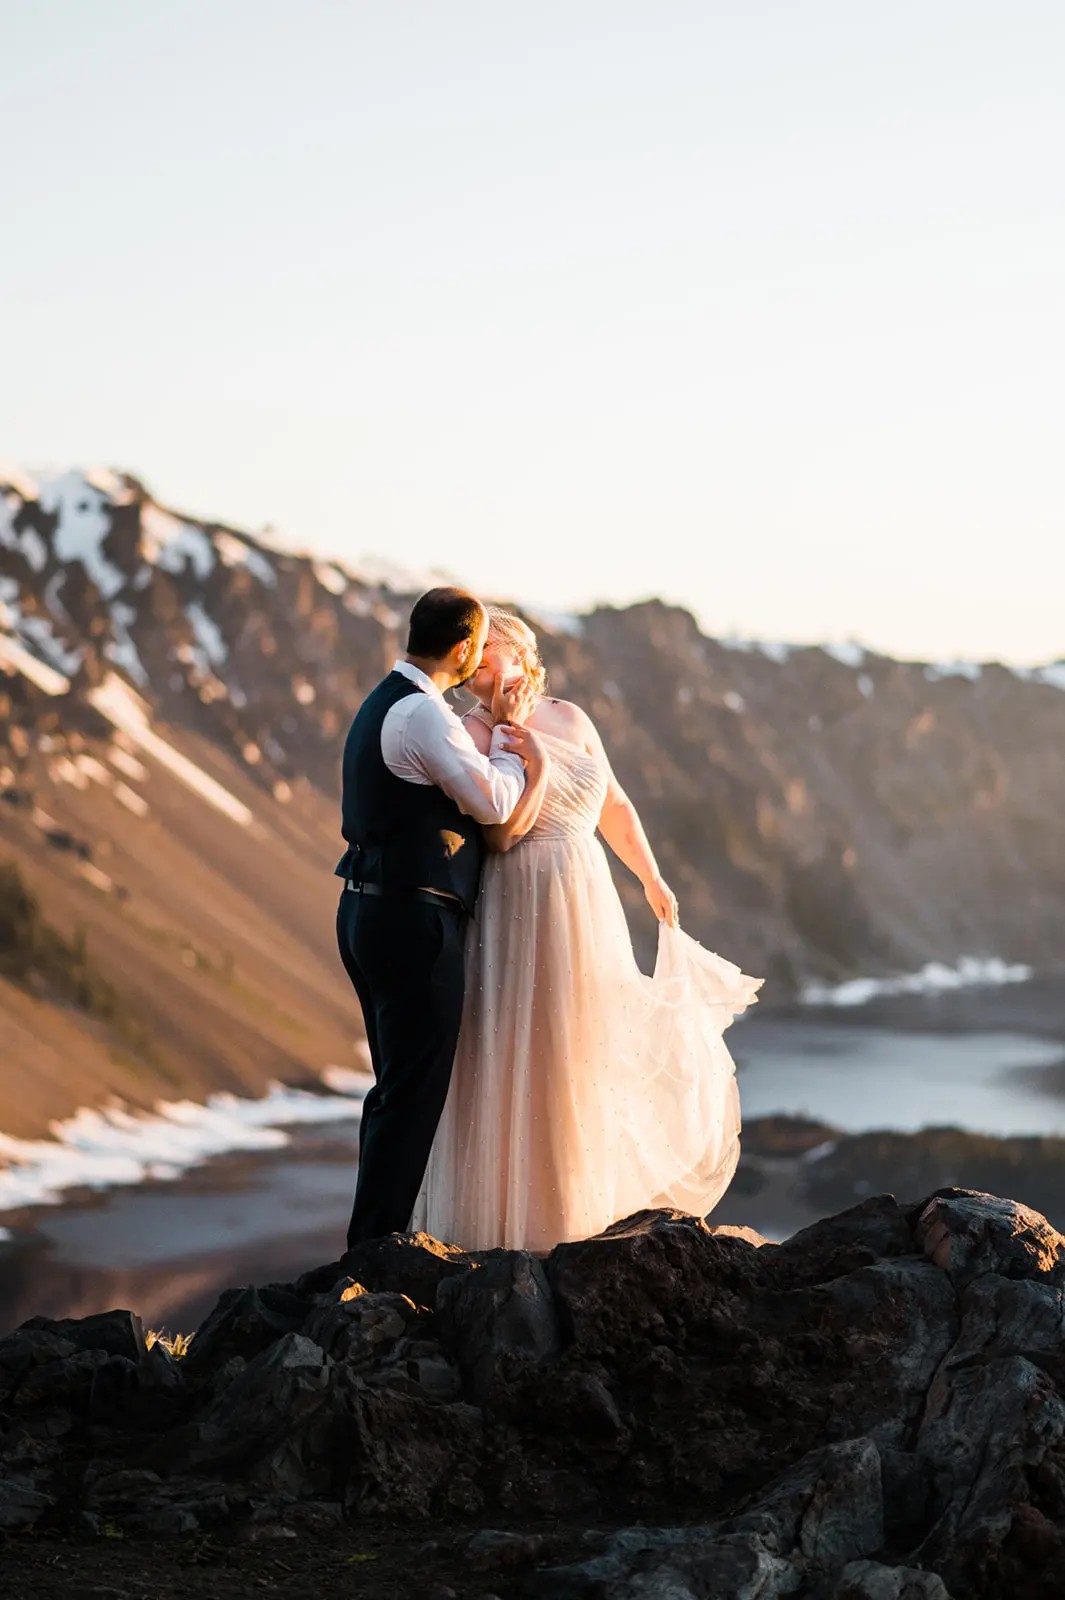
(441, 619)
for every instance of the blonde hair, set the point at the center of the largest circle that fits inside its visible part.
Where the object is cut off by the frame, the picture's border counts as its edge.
(511, 630)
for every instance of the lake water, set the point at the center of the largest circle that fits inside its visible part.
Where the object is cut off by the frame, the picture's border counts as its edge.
(859, 1077)
(168, 1248)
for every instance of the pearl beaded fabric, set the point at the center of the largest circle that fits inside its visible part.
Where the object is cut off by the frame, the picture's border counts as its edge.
(582, 1089)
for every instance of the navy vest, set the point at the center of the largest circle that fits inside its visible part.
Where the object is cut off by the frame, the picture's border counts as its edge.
(400, 834)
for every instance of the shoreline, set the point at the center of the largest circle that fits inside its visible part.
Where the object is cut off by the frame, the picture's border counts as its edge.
(1035, 1007)
(167, 1250)
(173, 1297)
(115, 1147)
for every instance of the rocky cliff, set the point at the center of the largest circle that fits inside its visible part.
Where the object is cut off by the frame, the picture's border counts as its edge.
(173, 696)
(873, 1410)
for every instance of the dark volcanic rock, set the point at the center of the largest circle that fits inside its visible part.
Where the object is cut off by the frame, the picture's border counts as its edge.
(244, 1322)
(497, 1317)
(21, 1503)
(360, 1329)
(119, 1333)
(400, 1455)
(825, 1513)
(273, 1423)
(413, 1264)
(967, 1234)
(874, 1410)
(869, 1580)
(661, 1267)
(857, 1237)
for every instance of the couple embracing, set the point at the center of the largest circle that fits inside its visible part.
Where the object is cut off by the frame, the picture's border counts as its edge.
(531, 1084)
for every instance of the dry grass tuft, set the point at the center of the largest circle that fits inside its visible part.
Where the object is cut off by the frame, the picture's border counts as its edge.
(176, 1343)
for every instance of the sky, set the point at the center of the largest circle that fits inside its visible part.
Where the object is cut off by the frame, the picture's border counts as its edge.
(757, 307)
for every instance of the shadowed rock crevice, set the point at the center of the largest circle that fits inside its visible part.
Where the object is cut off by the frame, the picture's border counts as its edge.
(875, 1408)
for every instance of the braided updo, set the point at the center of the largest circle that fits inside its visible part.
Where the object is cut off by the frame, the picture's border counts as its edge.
(505, 628)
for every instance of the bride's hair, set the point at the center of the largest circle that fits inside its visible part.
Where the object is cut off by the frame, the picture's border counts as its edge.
(511, 630)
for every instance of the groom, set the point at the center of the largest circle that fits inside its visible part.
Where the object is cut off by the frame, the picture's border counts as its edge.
(415, 793)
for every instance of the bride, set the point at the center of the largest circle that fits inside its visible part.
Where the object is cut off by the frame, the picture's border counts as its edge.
(582, 1090)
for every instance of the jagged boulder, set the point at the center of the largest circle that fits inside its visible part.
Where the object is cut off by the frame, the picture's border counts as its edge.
(413, 1264)
(871, 1580)
(26, 1348)
(639, 1279)
(497, 1317)
(874, 1229)
(358, 1329)
(243, 1323)
(401, 1455)
(273, 1424)
(119, 1333)
(968, 1234)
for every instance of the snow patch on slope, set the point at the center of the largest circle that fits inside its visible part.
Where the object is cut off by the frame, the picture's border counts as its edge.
(169, 543)
(235, 552)
(83, 523)
(848, 654)
(934, 978)
(117, 1147)
(331, 577)
(380, 572)
(775, 649)
(127, 711)
(1053, 674)
(208, 634)
(935, 670)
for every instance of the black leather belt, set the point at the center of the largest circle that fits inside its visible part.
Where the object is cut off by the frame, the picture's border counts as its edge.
(446, 902)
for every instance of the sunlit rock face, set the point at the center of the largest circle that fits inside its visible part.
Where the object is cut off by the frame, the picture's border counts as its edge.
(874, 1407)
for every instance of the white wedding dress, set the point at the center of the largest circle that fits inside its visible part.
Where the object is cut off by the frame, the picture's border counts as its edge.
(582, 1089)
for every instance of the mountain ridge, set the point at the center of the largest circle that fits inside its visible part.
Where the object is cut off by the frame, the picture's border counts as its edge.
(174, 694)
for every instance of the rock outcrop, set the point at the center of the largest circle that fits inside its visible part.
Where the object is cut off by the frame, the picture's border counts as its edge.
(872, 1410)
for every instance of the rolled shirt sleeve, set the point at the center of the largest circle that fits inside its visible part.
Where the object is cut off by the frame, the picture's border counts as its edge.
(436, 744)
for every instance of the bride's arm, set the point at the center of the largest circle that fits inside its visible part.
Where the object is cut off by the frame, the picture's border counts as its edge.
(620, 826)
(502, 836)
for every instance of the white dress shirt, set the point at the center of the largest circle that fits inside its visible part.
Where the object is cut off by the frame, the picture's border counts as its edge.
(423, 741)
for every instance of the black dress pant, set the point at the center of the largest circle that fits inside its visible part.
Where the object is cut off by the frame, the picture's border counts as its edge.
(404, 957)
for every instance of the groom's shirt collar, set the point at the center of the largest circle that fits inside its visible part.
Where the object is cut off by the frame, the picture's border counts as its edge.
(407, 669)
(423, 741)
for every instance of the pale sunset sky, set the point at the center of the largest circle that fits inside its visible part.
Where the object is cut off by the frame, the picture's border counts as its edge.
(759, 307)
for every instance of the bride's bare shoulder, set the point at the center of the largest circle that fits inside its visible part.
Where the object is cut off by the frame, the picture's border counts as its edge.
(479, 728)
(568, 720)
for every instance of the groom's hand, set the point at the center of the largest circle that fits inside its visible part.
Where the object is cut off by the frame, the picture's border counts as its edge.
(514, 704)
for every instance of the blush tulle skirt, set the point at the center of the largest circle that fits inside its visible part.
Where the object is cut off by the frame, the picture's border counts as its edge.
(582, 1089)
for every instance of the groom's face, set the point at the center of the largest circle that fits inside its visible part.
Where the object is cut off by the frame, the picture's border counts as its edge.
(468, 667)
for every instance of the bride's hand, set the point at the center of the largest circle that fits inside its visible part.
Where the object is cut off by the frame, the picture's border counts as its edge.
(662, 900)
(523, 742)
(513, 704)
